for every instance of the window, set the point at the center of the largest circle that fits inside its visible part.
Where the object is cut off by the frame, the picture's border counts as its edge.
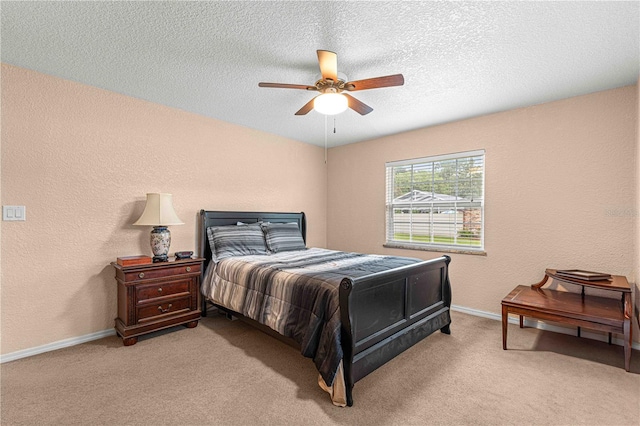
(436, 202)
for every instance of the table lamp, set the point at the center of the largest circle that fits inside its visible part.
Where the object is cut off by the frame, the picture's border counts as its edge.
(159, 213)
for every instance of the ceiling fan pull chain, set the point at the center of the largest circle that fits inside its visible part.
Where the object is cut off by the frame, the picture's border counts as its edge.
(325, 138)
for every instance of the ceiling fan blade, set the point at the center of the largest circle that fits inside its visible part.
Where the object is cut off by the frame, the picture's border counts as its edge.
(359, 107)
(306, 108)
(328, 62)
(287, 86)
(374, 83)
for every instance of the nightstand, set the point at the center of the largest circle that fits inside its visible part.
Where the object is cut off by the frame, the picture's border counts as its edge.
(155, 296)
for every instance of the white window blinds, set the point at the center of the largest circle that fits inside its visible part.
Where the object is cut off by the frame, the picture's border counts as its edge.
(437, 201)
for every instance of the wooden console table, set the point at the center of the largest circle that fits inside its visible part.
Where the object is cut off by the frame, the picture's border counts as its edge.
(578, 309)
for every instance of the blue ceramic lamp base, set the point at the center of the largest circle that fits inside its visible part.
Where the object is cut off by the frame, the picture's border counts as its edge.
(160, 243)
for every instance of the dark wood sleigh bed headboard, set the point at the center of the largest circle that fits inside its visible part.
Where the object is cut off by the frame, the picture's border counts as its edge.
(220, 218)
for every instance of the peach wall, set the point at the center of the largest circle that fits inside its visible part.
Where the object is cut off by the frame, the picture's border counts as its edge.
(78, 156)
(637, 210)
(82, 159)
(559, 186)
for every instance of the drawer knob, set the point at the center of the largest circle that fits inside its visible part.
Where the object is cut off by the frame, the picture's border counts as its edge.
(141, 275)
(164, 310)
(159, 289)
(188, 268)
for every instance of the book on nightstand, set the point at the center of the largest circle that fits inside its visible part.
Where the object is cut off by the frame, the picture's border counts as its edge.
(134, 260)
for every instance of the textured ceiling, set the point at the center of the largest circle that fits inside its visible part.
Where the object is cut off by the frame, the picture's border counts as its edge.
(459, 59)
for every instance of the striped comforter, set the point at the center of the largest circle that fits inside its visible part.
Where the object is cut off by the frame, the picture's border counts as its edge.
(296, 294)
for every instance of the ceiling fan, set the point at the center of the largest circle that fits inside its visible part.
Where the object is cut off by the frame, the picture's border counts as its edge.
(332, 99)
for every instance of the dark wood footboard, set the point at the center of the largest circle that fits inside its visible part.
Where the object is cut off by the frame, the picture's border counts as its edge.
(386, 313)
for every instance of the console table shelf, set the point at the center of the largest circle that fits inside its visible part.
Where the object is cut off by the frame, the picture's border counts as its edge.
(612, 315)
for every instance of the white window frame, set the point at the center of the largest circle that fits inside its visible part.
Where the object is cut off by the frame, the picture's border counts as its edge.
(392, 205)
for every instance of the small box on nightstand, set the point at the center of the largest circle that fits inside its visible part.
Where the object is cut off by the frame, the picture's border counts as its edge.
(134, 260)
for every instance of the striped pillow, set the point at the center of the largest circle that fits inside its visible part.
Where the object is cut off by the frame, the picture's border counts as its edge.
(283, 237)
(236, 240)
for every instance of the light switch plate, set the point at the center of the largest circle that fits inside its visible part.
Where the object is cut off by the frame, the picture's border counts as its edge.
(14, 213)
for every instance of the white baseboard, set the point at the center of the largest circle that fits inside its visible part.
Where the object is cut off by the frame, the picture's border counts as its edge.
(513, 320)
(56, 345)
(602, 337)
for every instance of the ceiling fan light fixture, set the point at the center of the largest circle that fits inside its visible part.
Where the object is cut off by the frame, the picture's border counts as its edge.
(330, 103)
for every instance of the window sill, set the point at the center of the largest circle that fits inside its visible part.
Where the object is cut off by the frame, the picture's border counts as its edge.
(408, 246)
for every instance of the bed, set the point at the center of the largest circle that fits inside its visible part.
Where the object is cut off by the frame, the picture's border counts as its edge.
(361, 316)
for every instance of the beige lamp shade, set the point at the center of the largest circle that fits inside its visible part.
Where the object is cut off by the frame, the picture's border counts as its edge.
(159, 211)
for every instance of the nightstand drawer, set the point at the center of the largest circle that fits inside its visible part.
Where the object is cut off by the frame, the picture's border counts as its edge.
(169, 307)
(153, 273)
(152, 291)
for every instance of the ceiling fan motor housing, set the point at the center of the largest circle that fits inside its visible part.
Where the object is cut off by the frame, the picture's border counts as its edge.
(330, 86)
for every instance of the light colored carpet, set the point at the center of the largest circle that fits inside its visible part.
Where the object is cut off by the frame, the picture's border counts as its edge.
(226, 372)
